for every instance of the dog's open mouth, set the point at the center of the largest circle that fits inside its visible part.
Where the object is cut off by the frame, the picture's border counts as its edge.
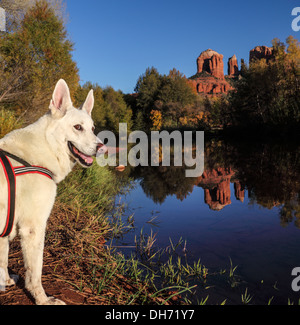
(82, 158)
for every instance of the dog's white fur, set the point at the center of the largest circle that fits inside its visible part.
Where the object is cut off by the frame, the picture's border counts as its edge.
(44, 144)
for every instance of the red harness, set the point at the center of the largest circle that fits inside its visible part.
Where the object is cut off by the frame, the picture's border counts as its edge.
(10, 174)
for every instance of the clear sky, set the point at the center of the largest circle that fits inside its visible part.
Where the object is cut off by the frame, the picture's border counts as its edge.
(116, 40)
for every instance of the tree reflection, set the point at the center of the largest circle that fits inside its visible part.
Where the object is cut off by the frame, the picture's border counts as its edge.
(269, 172)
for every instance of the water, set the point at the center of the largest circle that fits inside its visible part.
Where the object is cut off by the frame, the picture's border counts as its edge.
(245, 207)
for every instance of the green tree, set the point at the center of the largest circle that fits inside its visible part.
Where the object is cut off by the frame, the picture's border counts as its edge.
(176, 96)
(176, 89)
(98, 113)
(115, 109)
(147, 87)
(268, 93)
(293, 50)
(169, 94)
(16, 10)
(41, 52)
(110, 108)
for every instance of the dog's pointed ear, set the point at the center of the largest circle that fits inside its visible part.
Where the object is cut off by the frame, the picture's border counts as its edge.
(89, 102)
(61, 99)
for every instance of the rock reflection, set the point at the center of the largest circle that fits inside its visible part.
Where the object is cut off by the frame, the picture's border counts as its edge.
(268, 173)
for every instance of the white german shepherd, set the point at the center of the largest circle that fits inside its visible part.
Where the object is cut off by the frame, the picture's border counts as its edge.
(59, 139)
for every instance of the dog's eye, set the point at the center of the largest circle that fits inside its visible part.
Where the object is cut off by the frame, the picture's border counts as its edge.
(78, 127)
(93, 128)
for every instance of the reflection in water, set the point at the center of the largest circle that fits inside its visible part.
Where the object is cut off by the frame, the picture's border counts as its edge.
(239, 209)
(269, 172)
(216, 185)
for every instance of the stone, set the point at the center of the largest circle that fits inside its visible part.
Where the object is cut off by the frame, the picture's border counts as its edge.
(120, 168)
(216, 185)
(233, 68)
(210, 79)
(262, 52)
(207, 84)
(239, 191)
(211, 62)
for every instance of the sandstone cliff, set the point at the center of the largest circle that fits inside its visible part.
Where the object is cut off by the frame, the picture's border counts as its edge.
(207, 84)
(211, 62)
(233, 68)
(262, 52)
(216, 185)
(210, 77)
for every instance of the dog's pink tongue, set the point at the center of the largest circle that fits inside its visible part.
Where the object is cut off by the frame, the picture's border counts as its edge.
(87, 159)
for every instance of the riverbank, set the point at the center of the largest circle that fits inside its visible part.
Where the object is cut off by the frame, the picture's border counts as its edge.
(79, 267)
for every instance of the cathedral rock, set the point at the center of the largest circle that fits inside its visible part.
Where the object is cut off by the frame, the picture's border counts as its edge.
(211, 62)
(210, 77)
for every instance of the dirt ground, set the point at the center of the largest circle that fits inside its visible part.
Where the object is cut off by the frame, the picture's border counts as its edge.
(18, 295)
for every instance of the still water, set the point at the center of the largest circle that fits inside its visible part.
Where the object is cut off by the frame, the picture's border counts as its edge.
(245, 207)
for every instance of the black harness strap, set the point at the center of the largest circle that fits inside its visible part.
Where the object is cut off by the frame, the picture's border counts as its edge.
(21, 161)
(10, 174)
(11, 187)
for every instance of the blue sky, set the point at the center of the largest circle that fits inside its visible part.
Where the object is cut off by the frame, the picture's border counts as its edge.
(116, 40)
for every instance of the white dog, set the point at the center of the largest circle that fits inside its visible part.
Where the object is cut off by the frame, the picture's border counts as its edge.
(59, 139)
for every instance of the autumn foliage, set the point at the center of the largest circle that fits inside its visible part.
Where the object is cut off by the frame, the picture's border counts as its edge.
(33, 58)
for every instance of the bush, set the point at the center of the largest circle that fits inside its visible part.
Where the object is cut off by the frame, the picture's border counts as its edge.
(92, 190)
(8, 122)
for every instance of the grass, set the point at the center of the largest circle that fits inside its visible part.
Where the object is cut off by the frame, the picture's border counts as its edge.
(246, 298)
(85, 220)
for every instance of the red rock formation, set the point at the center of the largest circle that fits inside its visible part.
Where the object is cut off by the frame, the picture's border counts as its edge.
(218, 197)
(238, 191)
(210, 74)
(262, 52)
(211, 62)
(233, 68)
(207, 84)
(216, 184)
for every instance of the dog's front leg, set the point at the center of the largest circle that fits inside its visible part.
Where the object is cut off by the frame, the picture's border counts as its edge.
(8, 280)
(32, 239)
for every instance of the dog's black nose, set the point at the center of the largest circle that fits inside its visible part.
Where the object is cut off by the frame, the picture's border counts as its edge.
(101, 148)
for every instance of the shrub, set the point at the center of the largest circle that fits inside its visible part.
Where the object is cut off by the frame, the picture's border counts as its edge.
(8, 122)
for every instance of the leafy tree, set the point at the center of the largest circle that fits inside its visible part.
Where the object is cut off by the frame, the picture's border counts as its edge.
(176, 89)
(98, 113)
(171, 95)
(176, 96)
(41, 52)
(110, 108)
(268, 93)
(217, 111)
(139, 123)
(16, 10)
(293, 50)
(156, 119)
(116, 110)
(147, 87)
